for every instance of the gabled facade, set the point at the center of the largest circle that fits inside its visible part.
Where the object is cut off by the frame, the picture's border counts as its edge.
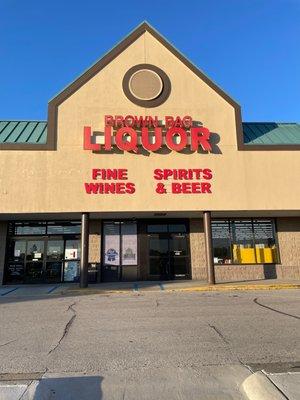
(154, 155)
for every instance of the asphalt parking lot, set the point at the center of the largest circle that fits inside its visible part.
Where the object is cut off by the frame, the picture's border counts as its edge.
(147, 345)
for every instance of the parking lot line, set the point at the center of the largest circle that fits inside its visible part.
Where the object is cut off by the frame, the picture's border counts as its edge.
(12, 290)
(135, 287)
(52, 289)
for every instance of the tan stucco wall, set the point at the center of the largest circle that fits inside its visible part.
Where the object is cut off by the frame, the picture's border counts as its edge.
(52, 181)
(3, 232)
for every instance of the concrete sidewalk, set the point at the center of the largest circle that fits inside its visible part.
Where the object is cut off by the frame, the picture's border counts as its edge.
(65, 289)
(182, 286)
(56, 386)
(275, 386)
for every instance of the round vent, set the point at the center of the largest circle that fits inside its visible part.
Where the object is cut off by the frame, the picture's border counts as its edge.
(146, 85)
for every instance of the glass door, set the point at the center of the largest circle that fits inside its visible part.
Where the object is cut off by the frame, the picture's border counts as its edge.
(179, 258)
(72, 260)
(16, 261)
(54, 260)
(159, 259)
(35, 261)
(168, 251)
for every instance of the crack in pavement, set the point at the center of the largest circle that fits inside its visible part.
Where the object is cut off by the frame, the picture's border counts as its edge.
(273, 309)
(67, 327)
(219, 333)
(5, 344)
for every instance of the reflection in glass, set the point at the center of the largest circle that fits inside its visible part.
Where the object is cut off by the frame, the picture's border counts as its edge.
(244, 241)
(55, 249)
(35, 250)
(178, 245)
(54, 229)
(265, 243)
(30, 230)
(53, 271)
(177, 228)
(159, 266)
(34, 272)
(158, 246)
(159, 228)
(221, 242)
(19, 250)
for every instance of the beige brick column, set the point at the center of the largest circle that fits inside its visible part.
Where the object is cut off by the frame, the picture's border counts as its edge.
(197, 246)
(3, 232)
(288, 231)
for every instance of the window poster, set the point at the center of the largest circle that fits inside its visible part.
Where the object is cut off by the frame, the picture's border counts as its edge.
(111, 244)
(71, 272)
(71, 254)
(129, 243)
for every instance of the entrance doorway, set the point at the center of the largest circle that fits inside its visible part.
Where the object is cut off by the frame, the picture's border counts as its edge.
(168, 251)
(43, 260)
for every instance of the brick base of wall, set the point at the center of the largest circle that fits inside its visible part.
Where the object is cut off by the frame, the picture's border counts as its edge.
(236, 273)
(289, 248)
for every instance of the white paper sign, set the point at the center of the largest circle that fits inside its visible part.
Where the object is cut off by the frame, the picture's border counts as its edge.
(129, 244)
(111, 244)
(71, 254)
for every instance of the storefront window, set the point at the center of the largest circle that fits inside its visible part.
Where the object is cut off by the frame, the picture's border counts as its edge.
(265, 243)
(242, 242)
(63, 229)
(250, 241)
(55, 250)
(43, 251)
(30, 229)
(120, 243)
(221, 242)
(43, 228)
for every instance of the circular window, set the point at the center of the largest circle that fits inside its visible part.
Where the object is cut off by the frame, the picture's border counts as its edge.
(146, 85)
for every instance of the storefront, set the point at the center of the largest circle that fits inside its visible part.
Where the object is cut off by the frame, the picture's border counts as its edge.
(144, 171)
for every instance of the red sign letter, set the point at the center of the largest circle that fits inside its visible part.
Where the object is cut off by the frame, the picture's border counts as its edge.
(200, 135)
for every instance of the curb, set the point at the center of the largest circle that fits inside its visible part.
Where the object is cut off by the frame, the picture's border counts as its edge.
(217, 288)
(259, 387)
(220, 288)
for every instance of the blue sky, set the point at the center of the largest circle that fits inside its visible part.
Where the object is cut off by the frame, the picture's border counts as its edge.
(250, 48)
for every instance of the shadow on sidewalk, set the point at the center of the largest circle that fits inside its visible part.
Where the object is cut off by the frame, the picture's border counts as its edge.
(70, 387)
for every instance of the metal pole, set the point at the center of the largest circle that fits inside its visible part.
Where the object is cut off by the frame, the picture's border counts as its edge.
(84, 250)
(208, 247)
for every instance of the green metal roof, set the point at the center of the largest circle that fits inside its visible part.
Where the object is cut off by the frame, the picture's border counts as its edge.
(19, 132)
(271, 133)
(255, 133)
